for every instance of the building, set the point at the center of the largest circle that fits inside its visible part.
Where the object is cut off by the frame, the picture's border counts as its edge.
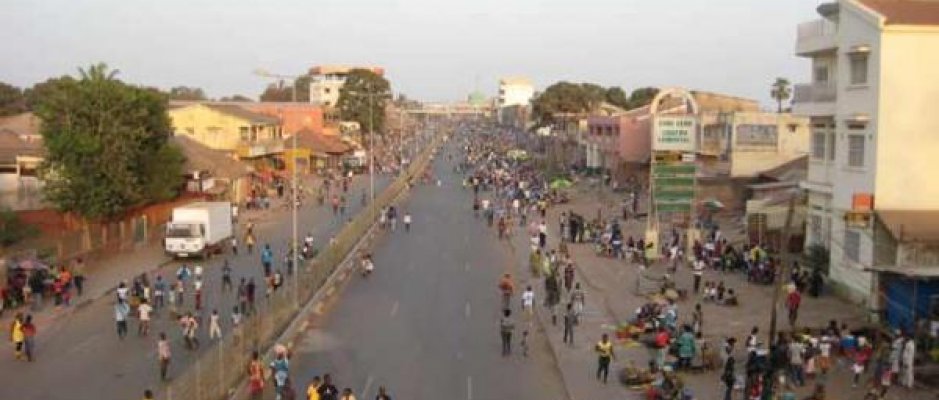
(315, 152)
(744, 144)
(293, 116)
(326, 80)
(614, 140)
(213, 172)
(873, 141)
(230, 128)
(21, 153)
(515, 91)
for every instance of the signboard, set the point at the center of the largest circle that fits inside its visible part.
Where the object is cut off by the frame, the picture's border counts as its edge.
(757, 135)
(673, 187)
(676, 133)
(862, 202)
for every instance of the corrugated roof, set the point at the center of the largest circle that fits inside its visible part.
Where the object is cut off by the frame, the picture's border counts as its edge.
(22, 124)
(201, 158)
(906, 12)
(911, 225)
(12, 145)
(318, 142)
(242, 113)
(794, 170)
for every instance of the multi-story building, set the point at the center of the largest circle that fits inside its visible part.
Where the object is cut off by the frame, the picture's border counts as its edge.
(515, 91)
(326, 80)
(746, 144)
(230, 128)
(873, 136)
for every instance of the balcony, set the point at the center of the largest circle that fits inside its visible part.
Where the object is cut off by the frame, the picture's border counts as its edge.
(816, 36)
(260, 148)
(814, 98)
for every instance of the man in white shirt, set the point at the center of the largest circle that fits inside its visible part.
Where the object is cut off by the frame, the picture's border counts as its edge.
(698, 271)
(144, 310)
(407, 221)
(528, 301)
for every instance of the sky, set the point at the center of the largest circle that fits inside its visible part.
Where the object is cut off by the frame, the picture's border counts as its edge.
(432, 50)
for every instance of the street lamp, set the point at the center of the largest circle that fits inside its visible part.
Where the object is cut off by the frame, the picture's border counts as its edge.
(295, 193)
(371, 135)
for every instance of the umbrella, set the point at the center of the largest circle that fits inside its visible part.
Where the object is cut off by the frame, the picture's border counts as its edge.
(561, 184)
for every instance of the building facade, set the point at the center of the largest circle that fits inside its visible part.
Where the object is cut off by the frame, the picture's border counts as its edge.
(873, 142)
(230, 128)
(327, 80)
(752, 142)
(515, 91)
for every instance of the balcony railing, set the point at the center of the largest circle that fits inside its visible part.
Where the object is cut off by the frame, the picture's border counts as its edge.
(815, 93)
(815, 36)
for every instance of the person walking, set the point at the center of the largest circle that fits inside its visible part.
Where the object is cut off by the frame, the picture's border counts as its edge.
(697, 268)
(121, 311)
(17, 336)
(604, 349)
(234, 245)
(507, 287)
(29, 337)
(407, 221)
(78, 270)
(906, 366)
(686, 348)
(226, 277)
(578, 297)
(506, 326)
(729, 376)
(163, 355)
(215, 330)
(255, 376)
(267, 259)
(159, 291)
(570, 316)
(143, 312)
(528, 302)
(190, 329)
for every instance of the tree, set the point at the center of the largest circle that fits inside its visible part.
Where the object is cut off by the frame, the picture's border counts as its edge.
(780, 92)
(187, 93)
(616, 96)
(107, 145)
(12, 100)
(281, 92)
(12, 229)
(642, 96)
(42, 90)
(277, 92)
(236, 97)
(362, 99)
(565, 97)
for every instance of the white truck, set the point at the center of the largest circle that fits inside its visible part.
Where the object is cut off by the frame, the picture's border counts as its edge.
(198, 229)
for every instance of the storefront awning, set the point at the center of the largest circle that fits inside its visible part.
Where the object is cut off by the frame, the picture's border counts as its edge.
(923, 271)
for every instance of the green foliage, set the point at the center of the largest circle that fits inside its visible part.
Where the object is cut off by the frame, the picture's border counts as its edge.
(43, 90)
(642, 96)
(362, 99)
(616, 96)
(781, 91)
(107, 145)
(237, 97)
(12, 100)
(281, 92)
(187, 93)
(12, 229)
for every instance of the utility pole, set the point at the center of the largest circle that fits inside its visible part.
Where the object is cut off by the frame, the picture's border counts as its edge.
(785, 260)
(371, 145)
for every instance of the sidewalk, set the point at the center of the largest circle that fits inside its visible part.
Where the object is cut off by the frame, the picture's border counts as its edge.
(611, 296)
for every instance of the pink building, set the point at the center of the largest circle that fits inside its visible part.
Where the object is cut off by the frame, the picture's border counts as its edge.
(619, 139)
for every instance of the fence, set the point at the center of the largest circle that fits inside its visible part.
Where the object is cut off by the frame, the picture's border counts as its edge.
(215, 372)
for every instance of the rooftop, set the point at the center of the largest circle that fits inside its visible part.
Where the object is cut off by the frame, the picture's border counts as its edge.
(515, 80)
(239, 112)
(318, 142)
(905, 12)
(201, 158)
(911, 225)
(343, 69)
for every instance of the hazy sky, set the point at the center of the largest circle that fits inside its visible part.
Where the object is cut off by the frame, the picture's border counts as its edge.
(432, 49)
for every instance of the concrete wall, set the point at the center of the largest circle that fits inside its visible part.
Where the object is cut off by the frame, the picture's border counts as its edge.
(214, 129)
(749, 158)
(907, 133)
(293, 116)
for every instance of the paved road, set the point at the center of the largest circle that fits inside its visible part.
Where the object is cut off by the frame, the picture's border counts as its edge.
(82, 358)
(425, 324)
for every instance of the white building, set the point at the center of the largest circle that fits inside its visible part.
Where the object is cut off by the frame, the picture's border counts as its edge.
(326, 80)
(875, 132)
(515, 91)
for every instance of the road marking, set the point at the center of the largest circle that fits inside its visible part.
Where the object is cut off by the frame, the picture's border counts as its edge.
(469, 388)
(467, 310)
(368, 386)
(394, 309)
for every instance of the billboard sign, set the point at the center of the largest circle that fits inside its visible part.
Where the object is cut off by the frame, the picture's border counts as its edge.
(673, 133)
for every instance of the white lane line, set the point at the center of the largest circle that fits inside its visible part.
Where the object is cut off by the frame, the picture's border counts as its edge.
(394, 309)
(469, 388)
(368, 386)
(467, 310)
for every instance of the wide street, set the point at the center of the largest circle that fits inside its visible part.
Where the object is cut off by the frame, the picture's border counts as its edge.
(80, 356)
(425, 324)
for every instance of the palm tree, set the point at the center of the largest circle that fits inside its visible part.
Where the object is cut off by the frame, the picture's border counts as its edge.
(781, 91)
(98, 72)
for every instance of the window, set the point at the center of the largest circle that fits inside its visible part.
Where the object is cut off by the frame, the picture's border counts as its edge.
(858, 68)
(820, 74)
(832, 141)
(852, 245)
(243, 131)
(818, 145)
(815, 226)
(856, 150)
